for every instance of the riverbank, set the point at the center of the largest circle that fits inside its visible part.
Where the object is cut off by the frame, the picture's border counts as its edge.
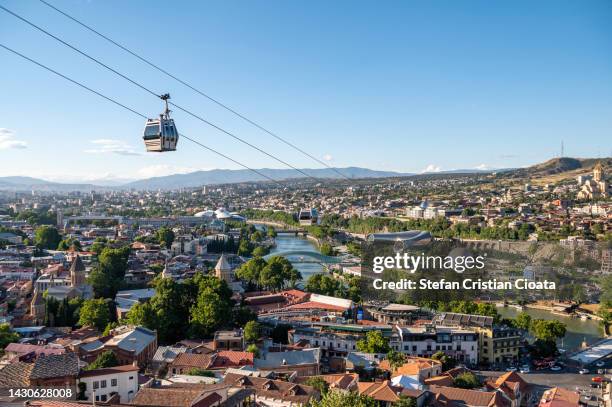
(578, 330)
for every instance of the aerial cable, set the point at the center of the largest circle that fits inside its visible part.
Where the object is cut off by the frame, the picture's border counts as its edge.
(193, 88)
(133, 111)
(141, 86)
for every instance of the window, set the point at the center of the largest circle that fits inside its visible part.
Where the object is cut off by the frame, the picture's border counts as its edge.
(131, 377)
(414, 348)
(113, 382)
(103, 384)
(96, 385)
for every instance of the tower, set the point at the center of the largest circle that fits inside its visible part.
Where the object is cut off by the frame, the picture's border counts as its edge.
(37, 307)
(223, 270)
(598, 172)
(77, 272)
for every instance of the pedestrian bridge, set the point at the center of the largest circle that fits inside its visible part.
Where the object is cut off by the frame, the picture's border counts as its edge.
(305, 256)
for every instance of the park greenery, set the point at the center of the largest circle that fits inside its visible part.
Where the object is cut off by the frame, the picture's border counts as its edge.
(467, 380)
(274, 274)
(195, 308)
(104, 360)
(374, 342)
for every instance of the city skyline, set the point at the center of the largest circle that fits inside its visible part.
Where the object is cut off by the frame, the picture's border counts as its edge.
(408, 87)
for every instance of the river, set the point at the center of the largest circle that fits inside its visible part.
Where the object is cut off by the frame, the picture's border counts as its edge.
(288, 241)
(577, 329)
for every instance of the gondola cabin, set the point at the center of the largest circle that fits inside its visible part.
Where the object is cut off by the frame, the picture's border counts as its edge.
(160, 134)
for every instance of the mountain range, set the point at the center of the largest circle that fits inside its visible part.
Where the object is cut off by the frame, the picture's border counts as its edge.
(222, 176)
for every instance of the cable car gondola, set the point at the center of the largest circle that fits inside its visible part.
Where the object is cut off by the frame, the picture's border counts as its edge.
(160, 134)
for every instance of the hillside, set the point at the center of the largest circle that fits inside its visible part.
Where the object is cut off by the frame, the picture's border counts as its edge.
(557, 169)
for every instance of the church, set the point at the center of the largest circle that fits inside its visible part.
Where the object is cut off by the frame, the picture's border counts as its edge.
(595, 187)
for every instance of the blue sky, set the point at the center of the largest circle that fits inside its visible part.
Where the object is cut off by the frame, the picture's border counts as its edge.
(395, 85)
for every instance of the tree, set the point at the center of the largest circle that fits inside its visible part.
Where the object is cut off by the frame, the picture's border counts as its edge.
(318, 383)
(374, 342)
(165, 236)
(548, 330)
(447, 361)
(251, 331)
(340, 399)
(277, 273)
(104, 359)
(396, 359)
(95, 313)
(108, 275)
(327, 249)
(251, 271)
(466, 380)
(208, 314)
(200, 372)
(7, 336)
(523, 321)
(405, 401)
(606, 292)
(271, 232)
(252, 348)
(260, 251)
(68, 243)
(47, 237)
(325, 285)
(141, 314)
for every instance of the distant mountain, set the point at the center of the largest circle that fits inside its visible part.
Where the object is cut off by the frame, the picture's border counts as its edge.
(199, 178)
(29, 183)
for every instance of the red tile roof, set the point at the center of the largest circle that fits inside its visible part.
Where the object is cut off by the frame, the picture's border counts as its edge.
(230, 358)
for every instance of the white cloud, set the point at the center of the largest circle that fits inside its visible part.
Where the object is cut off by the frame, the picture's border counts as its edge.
(8, 141)
(160, 170)
(482, 167)
(432, 168)
(110, 146)
(328, 157)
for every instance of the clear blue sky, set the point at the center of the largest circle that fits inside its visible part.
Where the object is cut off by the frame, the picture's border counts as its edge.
(395, 85)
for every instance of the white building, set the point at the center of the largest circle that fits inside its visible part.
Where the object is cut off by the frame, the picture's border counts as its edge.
(104, 383)
(424, 341)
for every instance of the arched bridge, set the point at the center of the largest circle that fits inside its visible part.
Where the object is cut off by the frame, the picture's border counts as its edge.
(314, 257)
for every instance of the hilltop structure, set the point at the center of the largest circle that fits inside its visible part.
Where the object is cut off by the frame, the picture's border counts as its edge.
(595, 187)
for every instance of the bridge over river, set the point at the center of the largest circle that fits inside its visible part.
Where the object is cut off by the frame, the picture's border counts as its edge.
(306, 256)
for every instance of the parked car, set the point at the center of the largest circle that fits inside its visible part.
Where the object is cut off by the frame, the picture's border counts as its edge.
(525, 369)
(511, 369)
(555, 368)
(583, 371)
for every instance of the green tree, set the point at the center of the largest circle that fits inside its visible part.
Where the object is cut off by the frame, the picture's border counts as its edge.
(68, 243)
(107, 276)
(251, 271)
(208, 314)
(260, 251)
(200, 372)
(252, 348)
(278, 273)
(7, 336)
(325, 285)
(606, 291)
(396, 359)
(47, 237)
(374, 342)
(142, 314)
(467, 380)
(271, 232)
(327, 249)
(95, 313)
(523, 321)
(104, 359)
(405, 401)
(447, 361)
(548, 330)
(318, 383)
(165, 236)
(340, 399)
(251, 332)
